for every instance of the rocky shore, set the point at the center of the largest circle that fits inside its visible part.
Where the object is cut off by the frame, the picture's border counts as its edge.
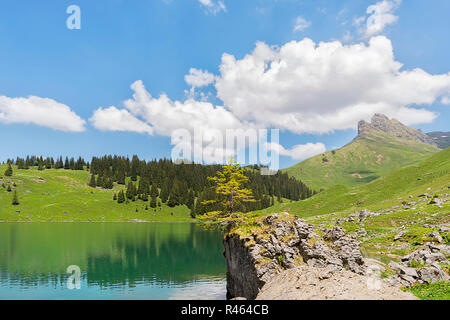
(282, 257)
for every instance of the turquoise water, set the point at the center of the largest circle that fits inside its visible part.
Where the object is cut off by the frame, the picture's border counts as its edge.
(115, 260)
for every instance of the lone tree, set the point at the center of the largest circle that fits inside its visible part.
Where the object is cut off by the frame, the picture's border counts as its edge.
(9, 171)
(231, 194)
(121, 197)
(15, 200)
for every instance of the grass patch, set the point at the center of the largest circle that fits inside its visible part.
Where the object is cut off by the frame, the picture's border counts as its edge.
(63, 195)
(436, 291)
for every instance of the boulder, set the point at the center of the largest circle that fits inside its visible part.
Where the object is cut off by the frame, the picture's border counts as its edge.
(430, 275)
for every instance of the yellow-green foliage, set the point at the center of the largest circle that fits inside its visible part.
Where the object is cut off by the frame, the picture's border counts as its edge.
(229, 188)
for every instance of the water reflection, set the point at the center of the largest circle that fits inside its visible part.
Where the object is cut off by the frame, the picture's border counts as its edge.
(142, 261)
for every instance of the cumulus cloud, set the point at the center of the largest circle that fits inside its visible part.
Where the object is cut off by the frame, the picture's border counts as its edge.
(445, 100)
(212, 6)
(165, 117)
(298, 152)
(113, 119)
(40, 111)
(301, 87)
(306, 87)
(199, 78)
(301, 24)
(379, 16)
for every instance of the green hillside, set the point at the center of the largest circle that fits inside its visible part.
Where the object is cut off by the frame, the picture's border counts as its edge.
(364, 159)
(63, 195)
(431, 175)
(402, 212)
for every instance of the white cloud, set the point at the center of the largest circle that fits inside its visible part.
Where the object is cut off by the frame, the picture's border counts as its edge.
(199, 78)
(298, 152)
(302, 87)
(212, 6)
(306, 87)
(445, 100)
(113, 119)
(380, 15)
(165, 117)
(301, 24)
(40, 111)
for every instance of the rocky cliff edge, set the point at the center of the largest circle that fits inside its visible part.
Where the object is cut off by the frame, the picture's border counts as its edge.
(261, 255)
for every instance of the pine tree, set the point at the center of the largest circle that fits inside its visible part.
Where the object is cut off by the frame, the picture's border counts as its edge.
(153, 202)
(190, 200)
(131, 191)
(9, 171)
(92, 183)
(66, 164)
(15, 200)
(9, 188)
(99, 182)
(121, 197)
(115, 197)
(164, 195)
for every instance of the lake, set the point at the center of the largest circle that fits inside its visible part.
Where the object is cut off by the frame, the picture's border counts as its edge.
(111, 261)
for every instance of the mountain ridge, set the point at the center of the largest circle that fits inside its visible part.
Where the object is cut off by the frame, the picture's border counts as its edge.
(380, 147)
(394, 128)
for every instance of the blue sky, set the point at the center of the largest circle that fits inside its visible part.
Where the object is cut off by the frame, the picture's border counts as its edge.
(159, 41)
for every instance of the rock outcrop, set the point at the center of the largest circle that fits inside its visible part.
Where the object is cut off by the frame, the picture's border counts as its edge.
(255, 254)
(422, 266)
(380, 122)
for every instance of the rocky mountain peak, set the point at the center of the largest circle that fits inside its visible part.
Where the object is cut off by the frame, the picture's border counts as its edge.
(392, 127)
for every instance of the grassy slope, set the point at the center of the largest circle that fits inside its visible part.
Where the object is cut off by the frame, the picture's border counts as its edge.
(63, 195)
(395, 198)
(361, 161)
(382, 193)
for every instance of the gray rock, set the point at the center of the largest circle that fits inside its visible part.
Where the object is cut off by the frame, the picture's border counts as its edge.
(334, 234)
(289, 242)
(436, 235)
(430, 275)
(361, 232)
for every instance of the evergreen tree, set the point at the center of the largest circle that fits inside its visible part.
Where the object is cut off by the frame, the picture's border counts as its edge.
(99, 182)
(92, 183)
(67, 164)
(9, 171)
(190, 200)
(131, 191)
(15, 200)
(121, 197)
(164, 196)
(153, 202)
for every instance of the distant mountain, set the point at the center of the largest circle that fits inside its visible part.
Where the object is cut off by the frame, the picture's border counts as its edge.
(393, 128)
(442, 139)
(382, 146)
